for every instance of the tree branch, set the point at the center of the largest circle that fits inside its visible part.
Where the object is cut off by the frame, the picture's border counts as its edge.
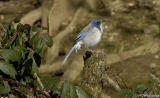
(26, 86)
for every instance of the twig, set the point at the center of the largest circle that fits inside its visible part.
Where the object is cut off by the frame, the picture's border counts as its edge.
(13, 37)
(2, 27)
(117, 81)
(122, 81)
(26, 86)
(40, 83)
(21, 93)
(112, 83)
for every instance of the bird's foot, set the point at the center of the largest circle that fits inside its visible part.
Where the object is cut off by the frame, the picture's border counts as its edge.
(90, 50)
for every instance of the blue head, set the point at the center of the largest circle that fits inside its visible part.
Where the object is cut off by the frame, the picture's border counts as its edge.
(97, 23)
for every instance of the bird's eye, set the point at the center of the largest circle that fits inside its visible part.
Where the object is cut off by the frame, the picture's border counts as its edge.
(98, 22)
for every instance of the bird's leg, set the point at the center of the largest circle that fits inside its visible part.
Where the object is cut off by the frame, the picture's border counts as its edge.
(90, 50)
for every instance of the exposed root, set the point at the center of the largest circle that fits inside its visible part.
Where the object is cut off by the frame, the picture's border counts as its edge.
(54, 50)
(150, 48)
(31, 17)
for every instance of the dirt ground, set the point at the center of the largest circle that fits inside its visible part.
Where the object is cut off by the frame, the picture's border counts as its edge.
(9, 9)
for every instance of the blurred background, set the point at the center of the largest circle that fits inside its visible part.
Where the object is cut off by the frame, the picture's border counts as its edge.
(130, 40)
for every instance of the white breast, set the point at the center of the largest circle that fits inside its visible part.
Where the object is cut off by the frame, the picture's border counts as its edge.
(92, 38)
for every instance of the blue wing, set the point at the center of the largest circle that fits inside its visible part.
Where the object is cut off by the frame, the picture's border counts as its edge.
(83, 33)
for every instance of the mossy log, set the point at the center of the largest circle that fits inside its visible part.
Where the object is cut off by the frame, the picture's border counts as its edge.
(93, 71)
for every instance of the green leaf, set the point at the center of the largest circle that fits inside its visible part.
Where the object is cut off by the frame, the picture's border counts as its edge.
(34, 67)
(135, 95)
(34, 38)
(3, 89)
(21, 49)
(9, 54)
(81, 93)
(36, 43)
(68, 90)
(139, 88)
(48, 39)
(16, 20)
(49, 82)
(125, 93)
(20, 27)
(44, 28)
(7, 69)
(36, 29)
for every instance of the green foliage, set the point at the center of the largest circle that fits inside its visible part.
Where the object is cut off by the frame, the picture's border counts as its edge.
(151, 88)
(47, 39)
(69, 90)
(8, 69)
(3, 89)
(50, 82)
(20, 58)
(81, 93)
(10, 55)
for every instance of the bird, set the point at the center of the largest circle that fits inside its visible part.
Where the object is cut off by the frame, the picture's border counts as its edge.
(88, 37)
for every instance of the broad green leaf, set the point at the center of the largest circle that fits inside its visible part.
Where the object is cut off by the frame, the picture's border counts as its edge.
(81, 93)
(44, 28)
(36, 43)
(36, 29)
(9, 54)
(139, 88)
(135, 95)
(34, 67)
(3, 89)
(34, 38)
(16, 20)
(48, 39)
(125, 93)
(49, 82)
(11, 28)
(7, 69)
(21, 49)
(68, 90)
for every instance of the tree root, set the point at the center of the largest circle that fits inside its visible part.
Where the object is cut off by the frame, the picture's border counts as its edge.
(151, 47)
(31, 17)
(54, 50)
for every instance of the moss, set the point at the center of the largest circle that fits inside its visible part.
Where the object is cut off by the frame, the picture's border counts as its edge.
(92, 74)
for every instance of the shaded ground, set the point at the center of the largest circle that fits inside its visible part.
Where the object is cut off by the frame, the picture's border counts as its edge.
(134, 70)
(9, 9)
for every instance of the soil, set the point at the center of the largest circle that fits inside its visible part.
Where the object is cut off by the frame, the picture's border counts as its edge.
(9, 9)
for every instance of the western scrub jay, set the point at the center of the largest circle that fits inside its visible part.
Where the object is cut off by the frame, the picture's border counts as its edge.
(89, 36)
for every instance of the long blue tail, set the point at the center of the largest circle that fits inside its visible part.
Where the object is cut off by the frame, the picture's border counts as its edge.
(73, 48)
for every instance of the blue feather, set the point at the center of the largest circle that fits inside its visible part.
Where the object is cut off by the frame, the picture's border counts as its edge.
(73, 48)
